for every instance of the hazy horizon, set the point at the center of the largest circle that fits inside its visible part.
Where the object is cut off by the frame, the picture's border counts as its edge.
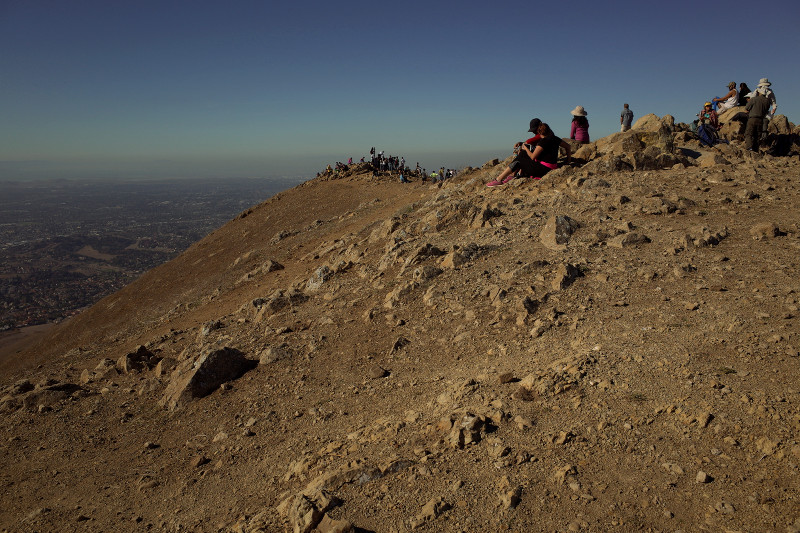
(277, 168)
(176, 89)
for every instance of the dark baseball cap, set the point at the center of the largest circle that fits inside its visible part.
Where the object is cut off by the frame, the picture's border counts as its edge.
(535, 125)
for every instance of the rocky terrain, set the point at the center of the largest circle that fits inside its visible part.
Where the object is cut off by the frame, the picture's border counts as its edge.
(611, 348)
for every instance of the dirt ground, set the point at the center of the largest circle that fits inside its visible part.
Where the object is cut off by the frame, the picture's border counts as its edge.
(14, 342)
(588, 352)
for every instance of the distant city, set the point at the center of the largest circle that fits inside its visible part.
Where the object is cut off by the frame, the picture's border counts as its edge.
(66, 244)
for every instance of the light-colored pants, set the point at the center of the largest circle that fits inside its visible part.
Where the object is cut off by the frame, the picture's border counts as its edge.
(624, 128)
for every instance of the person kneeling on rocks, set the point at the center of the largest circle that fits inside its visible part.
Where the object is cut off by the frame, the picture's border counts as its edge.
(534, 160)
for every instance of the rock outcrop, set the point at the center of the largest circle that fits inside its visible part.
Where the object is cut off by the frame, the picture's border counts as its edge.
(197, 378)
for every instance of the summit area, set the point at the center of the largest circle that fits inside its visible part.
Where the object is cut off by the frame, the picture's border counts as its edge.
(611, 348)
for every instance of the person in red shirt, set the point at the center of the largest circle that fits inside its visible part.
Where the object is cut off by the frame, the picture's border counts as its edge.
(520, 156)
(536, 158)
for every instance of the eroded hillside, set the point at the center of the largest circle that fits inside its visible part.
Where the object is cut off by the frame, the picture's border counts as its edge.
(612, 348)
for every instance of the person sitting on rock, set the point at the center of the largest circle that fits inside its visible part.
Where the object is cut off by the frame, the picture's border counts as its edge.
(728, 101)
(744, 90)
(534, 126)
(579, 130)
(535, 160)
(709, 116)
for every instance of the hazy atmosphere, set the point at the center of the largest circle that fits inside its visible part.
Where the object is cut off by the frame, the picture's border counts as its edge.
(211, 89)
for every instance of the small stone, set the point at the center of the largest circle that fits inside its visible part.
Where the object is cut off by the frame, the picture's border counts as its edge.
(628, 239)
(704, 419)
(506, 377)
(764, 230)
(523, 422)
(725, 508)
(329, 525)
(377, 372)
(510, 499)
(147, 484)
(430, 511)
(702, 477)
(199, 460)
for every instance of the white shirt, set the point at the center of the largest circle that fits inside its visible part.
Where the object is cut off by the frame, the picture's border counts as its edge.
(729, 103)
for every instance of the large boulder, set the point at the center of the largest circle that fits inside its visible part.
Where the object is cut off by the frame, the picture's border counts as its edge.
(557, 231)
(136, 361)
(780, 125)
(732, 130)
(728, 114)
(607, 164)
(656, 134)
(649, 122)
(654, 158)
(660, 137)
(192, 380)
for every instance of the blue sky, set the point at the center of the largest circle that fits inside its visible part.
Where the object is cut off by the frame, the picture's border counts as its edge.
(244, 88)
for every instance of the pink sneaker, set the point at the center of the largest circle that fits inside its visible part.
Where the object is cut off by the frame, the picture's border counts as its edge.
(509, 178)
(493, 183)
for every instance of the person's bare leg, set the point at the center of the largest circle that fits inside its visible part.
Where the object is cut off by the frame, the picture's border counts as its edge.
(499, 179)
(506, 173)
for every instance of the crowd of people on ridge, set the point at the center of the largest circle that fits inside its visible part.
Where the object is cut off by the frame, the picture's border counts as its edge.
(380, 163)
(539, 154)
(760, 107)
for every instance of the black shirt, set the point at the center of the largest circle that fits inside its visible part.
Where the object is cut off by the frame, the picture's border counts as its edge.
(550, 147)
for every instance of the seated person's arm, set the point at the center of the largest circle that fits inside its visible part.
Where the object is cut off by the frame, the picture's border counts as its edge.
(567, 149)
(533, 155)
(731, 93)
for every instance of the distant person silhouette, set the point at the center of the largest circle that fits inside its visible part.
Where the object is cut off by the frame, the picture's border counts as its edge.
(579, 129)
(625, 118)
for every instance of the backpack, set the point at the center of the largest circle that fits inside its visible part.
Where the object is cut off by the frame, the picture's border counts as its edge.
(707, 135)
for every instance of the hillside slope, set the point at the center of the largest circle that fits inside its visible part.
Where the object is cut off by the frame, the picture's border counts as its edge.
(601, 350)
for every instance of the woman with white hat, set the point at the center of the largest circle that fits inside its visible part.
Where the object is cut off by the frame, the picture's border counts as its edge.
(580, 126)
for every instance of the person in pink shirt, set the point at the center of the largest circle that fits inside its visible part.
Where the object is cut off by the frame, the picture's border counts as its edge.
(580, 126)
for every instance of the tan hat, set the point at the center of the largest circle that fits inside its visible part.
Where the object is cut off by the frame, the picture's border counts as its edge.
(579, 111)
(731, 85)
(764, 82)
